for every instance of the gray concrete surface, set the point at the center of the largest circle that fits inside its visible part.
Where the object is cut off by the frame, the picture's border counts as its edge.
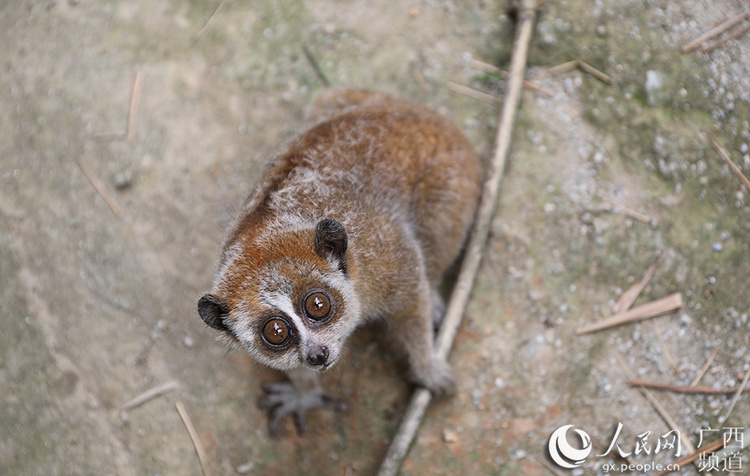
(96, 308)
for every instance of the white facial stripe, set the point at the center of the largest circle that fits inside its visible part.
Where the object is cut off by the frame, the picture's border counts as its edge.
(283, 303)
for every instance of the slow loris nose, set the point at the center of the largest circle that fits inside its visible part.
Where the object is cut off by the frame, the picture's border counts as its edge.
(317, 356)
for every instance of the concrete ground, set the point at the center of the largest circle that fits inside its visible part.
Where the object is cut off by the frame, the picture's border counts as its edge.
(97, 304)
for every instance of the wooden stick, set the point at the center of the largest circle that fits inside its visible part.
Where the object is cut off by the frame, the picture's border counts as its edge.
(200, 32)
(150, 395)
(642, 217)
(725, 156)
(626, 299)
(135, 100)
(473, 93)
(670, 360)
(715, 31)
(705, 449)
(470, 265)
(577, 63)
(109, 136)
(742, 388)
(316, 66)
(418, 76)
(683, 388)
(671, 423)
(705, 367)
(656, 308)
(560, 68)
(193, 437)
(712, 46)
(601, 76)
(488, 68)
(98, 185)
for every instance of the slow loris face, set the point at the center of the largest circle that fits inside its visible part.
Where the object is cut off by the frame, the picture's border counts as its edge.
(287, 304)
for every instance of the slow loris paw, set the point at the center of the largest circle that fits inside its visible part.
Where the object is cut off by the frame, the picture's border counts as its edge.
(284, 398)
(437, 377)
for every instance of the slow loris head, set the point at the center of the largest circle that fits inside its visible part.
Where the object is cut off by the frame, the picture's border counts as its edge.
(286, 296)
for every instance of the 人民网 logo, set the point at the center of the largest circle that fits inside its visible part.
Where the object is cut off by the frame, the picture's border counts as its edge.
(563, 453)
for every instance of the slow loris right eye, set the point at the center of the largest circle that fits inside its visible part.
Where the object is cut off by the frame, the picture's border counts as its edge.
(276, 332)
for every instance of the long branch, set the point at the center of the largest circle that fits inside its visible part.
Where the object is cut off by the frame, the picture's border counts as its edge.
(421, 398)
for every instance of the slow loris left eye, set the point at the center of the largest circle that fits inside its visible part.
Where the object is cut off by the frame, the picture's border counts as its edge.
(317, 306)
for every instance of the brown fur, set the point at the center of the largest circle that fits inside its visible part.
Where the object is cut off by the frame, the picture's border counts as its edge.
(403, 182)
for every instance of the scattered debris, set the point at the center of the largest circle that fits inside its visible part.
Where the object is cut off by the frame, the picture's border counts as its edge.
(715, 31)
(681, 388)
(213, 14)
(419, 78)
(659, 408)
(725, 156)
(488, 68)
(694, 455)
(712, 46)
(98, 185)
(450, 436)
(656, 308)
(742, 388)
(316, 66)
(473, 93)
(193, 437)
(627, 298)
(245, 468)
(583, 66)
(705, 367)
(135, 100)
(150, 394)
(629, 212)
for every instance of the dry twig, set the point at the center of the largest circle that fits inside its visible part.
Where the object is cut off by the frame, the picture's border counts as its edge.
(316, 66)
(705, 367)
(712, 46)
(488, 68)
(682, 388)
(742, 388)
(135, 100)
(642, 217)
(725, 156)
(694, 455)
(656, 308)
(715, 31)
(193, 437)
(98, 185)
(577, 63)
(560, 68)
(601, 76)
(626, 299)
(671, 423)
(470, 265)
(473, 93)
(665, 347)
(418, 76)
(150, 394)
(213, 14)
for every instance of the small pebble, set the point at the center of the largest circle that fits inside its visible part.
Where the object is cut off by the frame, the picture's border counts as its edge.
(450, 436)
(245, 468)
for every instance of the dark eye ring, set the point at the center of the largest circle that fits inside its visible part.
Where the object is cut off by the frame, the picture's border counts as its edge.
(276, 332)
(317, 305)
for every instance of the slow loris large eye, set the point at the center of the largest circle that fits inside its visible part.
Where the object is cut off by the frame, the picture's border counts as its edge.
(317, 306)
(276, 332)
